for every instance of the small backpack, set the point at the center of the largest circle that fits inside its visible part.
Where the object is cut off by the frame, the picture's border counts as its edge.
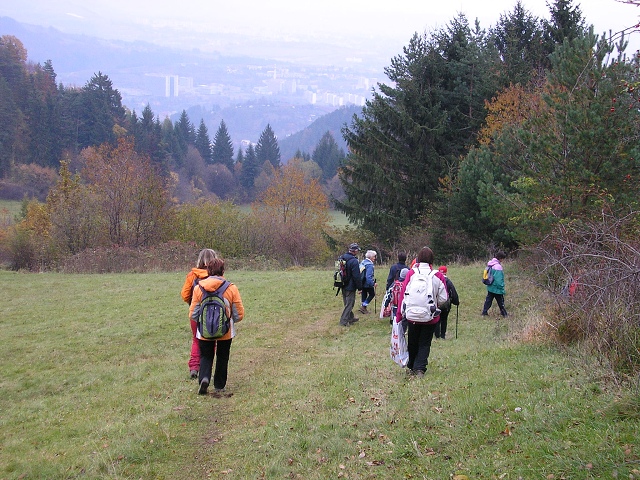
(393, 298)
(420, 304)
(487, 276)
(211, 313)
(340, 275)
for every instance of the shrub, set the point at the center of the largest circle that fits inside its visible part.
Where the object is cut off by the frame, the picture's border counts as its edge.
(593, 270)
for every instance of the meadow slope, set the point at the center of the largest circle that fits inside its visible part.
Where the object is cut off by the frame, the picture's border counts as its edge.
(95, 385)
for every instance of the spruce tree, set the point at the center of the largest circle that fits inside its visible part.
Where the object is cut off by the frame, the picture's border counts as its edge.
(223, 147)
(267, 148)
(249, 169)
(203, 143)
(185, 134)
(327, 155)
(519, 39)
(409, 134)
(100, 110)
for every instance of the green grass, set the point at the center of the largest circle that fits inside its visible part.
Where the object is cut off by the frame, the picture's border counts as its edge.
(338, 219)
(95, 385)
(8, 210)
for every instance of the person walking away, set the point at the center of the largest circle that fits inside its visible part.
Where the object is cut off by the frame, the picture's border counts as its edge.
(441, 326)
(496, 289)
(420, 335)
(367, 270)
(353, 284)
(197, 273)
(390, 302)
(220, 347)
(395, 269)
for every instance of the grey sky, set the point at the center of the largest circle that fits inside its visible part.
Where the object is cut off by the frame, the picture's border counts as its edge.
(392, 20)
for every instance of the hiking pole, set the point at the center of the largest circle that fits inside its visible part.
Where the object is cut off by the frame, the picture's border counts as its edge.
(375, 297)
(456, 322)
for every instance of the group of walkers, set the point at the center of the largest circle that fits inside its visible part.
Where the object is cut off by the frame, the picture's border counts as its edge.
(420, 334)
(207, 279)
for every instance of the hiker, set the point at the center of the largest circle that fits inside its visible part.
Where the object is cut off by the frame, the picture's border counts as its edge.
(496, 289)
(441, 326)
(395, 269)
(353, 284)
(420, 335)
(197, 273)
(368, 280)
(222, 346)
(390, 302)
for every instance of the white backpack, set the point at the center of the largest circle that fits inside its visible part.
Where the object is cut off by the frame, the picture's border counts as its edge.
(420, 302)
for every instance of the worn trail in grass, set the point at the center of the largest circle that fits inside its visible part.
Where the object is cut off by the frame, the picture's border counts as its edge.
(95, 385)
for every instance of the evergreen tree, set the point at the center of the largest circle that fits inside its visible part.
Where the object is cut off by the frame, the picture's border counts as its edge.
(250, 168)
(239, 156)
(566, 22)
(44, 127)
(410, 133)
(519, 39)
(185, 135)
(169, 142)
(101, 110)
(14, 88)
(327, 155)
(9, 123)
(267, 148)
(203, 143)
(223, 147)
(149, 138)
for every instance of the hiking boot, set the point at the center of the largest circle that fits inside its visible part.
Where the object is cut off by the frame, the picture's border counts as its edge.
(504, 314)
(484, 314)
(353, 320)
(363, 310)
(194, 374)
(204, 385)
(419, 373)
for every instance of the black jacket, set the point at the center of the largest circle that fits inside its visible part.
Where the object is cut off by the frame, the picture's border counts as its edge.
(394, 273)
(354, 281)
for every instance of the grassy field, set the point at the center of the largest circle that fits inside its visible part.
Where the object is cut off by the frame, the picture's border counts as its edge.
(95, 385)
(8, 210)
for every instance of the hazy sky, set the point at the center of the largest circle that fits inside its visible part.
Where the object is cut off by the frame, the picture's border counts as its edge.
(396, 20)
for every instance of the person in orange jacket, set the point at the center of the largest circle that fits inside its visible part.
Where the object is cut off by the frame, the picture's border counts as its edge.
(221, 346)
(197, 273)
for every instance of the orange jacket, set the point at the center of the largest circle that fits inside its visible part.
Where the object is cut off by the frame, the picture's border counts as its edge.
(235, 309)
(187, 288)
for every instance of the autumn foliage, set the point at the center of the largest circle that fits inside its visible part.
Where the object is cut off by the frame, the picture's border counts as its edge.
(295, 212)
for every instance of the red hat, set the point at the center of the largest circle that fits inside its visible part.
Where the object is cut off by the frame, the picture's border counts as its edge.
(442, 269)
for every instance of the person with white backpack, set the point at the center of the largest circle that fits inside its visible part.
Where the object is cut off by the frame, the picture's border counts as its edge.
(423, 292)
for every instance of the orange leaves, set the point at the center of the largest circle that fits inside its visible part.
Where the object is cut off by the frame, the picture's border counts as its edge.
(512, 106)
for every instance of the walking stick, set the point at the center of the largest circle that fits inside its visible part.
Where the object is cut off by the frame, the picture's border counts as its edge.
(375, 297)
(456, 322)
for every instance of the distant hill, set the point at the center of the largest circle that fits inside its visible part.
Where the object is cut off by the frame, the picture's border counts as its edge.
(307, 139)
(299, 125)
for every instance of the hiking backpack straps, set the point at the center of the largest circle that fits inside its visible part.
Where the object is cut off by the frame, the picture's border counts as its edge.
(420, 303)
(211, 313)
(340, 279)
